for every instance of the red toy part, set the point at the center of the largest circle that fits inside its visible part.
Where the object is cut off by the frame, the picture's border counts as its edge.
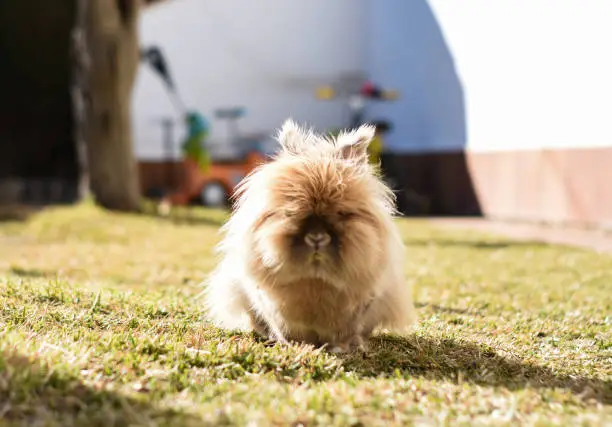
(368, 88)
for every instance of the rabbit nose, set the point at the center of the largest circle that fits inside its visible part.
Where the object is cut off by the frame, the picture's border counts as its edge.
(317, 239)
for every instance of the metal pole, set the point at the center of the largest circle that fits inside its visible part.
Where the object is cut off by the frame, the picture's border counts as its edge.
(168, 125)
(80, 95)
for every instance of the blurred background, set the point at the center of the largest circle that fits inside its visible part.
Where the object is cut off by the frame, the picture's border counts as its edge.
(485, 108)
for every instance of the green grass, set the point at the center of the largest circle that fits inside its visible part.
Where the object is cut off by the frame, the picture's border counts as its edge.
(100, 325)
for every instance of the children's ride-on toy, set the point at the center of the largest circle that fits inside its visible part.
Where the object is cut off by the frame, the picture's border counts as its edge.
(209, 172)
(357, 100)
(213, 170)
(231, 160)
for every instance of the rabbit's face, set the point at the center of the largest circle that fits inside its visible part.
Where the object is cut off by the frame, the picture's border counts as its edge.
(322, 212)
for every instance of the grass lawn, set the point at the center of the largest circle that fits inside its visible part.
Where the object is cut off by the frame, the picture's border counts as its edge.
(100, 326)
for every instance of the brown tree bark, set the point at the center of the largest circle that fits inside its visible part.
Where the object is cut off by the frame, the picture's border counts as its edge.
(112, 41)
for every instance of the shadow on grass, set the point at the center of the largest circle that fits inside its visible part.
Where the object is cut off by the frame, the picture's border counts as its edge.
(186, 219)
(458, 361)
(17, 213)
(32, 393)
(476, 244)
(449, 310)
(185, 216)
(32, 273)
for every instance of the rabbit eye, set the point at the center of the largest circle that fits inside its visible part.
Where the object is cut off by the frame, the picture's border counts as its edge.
(288, 213)
(346, 214)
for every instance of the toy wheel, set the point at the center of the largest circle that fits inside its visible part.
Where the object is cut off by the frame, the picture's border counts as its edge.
(213, 194)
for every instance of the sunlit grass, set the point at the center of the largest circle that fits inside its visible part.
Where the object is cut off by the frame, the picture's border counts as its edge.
(100, 324)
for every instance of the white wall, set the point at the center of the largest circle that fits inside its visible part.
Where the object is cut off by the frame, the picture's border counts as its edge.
(486, 74)
(406, 51)
(536, 73)
(268, 55)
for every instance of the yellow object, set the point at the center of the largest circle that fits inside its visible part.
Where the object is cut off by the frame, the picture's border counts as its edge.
(390, 94)
(325, 92)
(375, 149)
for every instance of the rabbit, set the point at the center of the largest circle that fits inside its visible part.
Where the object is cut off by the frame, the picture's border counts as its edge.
(311, 252)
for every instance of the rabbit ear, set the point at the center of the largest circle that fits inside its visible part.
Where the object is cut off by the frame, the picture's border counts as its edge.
(353, 145)
(291, 137)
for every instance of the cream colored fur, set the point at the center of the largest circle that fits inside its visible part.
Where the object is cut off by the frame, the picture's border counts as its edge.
(270, 281)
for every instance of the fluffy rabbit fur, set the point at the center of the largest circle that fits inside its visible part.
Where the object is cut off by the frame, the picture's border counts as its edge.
(311, 252)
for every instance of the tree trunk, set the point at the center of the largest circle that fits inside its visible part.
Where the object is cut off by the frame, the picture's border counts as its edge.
(112, 40)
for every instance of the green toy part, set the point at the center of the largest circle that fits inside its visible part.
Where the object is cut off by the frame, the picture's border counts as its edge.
(194, 146)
